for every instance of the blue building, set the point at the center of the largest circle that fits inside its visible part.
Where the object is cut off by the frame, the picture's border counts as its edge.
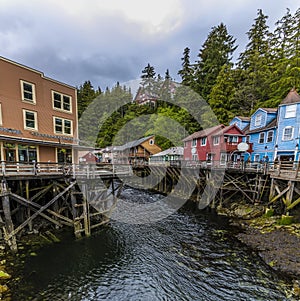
(287, 139)
(241, 122)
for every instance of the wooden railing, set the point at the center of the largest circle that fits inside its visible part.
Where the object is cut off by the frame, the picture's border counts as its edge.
(8, 169)
(275, 169)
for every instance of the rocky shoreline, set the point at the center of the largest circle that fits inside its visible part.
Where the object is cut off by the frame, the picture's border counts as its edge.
(276, 243)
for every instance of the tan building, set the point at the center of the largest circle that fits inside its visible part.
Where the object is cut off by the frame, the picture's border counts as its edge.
(38, 116)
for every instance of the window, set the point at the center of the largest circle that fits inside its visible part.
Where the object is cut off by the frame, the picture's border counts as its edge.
(64, 155)
(216, 140)
(261, 138)
(258, 118)
(203, 141)
(256, 158)
(233, 139)
(270, 136)
(288, 133)
(61, 101)
(151, 141)
(223, 158)
(28, 91)
(30, 120)
(290, 111)
(194, 142)
(62, 126)
(195, 157)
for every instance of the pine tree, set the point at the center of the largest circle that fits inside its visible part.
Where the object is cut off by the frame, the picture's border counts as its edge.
(254, 66)
(187, 71)
(220, 98)
(85, 95)
(216, 51)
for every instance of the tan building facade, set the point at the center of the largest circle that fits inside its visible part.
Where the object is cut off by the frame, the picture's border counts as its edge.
(38, 116)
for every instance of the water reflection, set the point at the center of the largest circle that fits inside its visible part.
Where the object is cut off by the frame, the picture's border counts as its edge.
(185, 257)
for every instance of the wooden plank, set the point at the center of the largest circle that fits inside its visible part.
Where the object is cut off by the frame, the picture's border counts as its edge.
(25, 223)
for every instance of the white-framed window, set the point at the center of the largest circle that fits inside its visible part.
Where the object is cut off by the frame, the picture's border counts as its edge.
(194, 157)
(203, 141)
(30, 120)
(270, 136)
(194, 142)
(216, 140)
(28, 91)
(288, 133)
(151, 141)
(256, 158)
(62, 102)
(258, 119)
(290, 111)
(223, 158)
(62, 126)
(261, 138)
(233, 139)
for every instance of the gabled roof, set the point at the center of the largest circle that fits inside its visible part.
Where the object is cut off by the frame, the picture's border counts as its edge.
(204, 133)
(226, 129)
(270, 110)
(243, 118)
(134, 143)
(270, 125)
(170, 151)
(292, 97)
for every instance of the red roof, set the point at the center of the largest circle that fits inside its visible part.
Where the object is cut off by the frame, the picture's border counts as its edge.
(204, 133)
(226, 129)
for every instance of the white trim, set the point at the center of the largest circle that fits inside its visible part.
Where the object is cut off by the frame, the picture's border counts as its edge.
(291, 113)
(260, 136)
(61, 109)
(27, 100)
(258, 119)
(283, 133)
(216, 140)
(271, 131)
(201, 139)
(35, 120)
(63, 126)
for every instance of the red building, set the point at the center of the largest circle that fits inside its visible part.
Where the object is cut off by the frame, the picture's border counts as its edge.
(216, 144)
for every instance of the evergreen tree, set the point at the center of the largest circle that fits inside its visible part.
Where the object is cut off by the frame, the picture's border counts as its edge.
(255, 66)
(187, 71)
(220, 98)
(85, 95)
(216, 51)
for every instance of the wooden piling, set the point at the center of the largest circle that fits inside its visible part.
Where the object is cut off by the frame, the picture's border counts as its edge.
(9, 226)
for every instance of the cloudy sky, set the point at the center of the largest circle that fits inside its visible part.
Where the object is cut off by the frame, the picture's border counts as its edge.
(106, 41)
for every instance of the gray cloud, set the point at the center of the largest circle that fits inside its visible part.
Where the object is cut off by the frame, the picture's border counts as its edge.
(106, 46)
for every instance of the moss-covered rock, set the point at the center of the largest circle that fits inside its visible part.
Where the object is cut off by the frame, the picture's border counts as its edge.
(4, 275)
(286, 220)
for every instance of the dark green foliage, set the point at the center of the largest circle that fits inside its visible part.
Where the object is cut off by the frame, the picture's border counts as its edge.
(85, 95)
(216, 51)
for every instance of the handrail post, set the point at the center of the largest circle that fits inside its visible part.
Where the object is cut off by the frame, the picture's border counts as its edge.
(3, 166)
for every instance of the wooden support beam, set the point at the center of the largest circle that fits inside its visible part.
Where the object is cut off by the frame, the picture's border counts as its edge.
(9, 233)
(279, 195)
(23, 201)
(25, 223)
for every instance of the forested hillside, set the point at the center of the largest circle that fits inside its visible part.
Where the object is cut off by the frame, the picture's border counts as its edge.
(266, 69)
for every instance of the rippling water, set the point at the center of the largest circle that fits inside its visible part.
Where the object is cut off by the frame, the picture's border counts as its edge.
(188, 256)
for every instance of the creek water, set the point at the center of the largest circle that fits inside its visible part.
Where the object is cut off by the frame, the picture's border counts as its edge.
(188, 256)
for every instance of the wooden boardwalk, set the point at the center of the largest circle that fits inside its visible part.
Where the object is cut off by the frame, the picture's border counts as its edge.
(83, 196)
